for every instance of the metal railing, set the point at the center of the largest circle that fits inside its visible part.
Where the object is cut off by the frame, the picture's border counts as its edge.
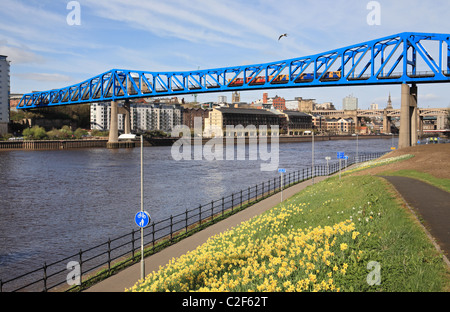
(110, 256)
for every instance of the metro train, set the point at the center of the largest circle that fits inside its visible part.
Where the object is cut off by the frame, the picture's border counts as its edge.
(305, 77)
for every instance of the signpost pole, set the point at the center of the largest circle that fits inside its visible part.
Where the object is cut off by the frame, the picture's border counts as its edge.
(142, 208)
(312, 156)
(281, 182)
(340, 156)
(357, 152)
(328, 167)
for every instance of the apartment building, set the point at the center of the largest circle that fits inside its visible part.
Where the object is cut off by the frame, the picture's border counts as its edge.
(101, 116)
(4, 94)
(143, 117)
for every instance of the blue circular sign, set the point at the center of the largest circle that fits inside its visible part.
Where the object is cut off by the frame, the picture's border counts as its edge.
(142, 219)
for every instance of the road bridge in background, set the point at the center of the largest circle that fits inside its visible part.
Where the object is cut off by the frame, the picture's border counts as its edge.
(387, 115)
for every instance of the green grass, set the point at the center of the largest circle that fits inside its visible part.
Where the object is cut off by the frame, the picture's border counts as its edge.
(408, 260)
(387, 234)
(443, 184)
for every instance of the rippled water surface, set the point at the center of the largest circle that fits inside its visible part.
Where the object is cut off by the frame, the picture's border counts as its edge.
(54, 203)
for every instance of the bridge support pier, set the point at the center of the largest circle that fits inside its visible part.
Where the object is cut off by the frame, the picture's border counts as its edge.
(113, 141)
(414, 115)
(408, 117)
(421, 127)
(386, 122)
(357, 122)
(125, 110)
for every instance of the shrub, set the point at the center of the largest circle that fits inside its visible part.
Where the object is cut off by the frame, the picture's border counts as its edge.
(36, 133)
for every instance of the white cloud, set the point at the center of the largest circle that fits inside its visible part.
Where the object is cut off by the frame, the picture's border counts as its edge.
(206, 22)
(179, 35)
(429, 97)
(19, 54)
(43, 77)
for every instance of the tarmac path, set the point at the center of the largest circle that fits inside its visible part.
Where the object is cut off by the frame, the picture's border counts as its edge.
(431, 203)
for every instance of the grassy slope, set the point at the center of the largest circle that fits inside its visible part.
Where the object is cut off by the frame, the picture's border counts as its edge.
(425, 177)
(321, 239)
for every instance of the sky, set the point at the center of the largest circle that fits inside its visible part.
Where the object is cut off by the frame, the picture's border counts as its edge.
(52, 45)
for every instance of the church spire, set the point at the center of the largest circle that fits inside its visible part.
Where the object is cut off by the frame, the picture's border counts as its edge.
(389, 105)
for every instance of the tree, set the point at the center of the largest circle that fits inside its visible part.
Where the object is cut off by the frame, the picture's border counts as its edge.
(66, 132)
(79, 133)
(39, 133)
(36, 133)
(54, 134)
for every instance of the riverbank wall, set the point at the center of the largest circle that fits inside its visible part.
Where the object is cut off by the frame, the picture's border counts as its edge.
(50, 144)
(103, 143)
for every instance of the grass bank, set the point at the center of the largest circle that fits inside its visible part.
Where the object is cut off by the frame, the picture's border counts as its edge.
(443, 184)
(348, 234)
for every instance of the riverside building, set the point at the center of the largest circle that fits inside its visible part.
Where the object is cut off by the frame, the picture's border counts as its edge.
(350, 103)
(4, 94)
(220, 118)
(143, 116)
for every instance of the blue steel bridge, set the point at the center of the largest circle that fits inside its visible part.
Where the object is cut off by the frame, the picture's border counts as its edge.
(407, 58)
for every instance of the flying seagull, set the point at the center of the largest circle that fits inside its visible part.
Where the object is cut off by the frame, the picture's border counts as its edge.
(283, 35)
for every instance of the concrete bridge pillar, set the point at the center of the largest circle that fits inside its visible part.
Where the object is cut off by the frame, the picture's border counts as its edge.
(113, 141)
(357, 122)
(408, 116)
(125, 110)
(421, 127)
(386, 122)
(414, 114)
(404, 139)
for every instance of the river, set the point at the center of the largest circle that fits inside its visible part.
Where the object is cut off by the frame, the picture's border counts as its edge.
(54, 203)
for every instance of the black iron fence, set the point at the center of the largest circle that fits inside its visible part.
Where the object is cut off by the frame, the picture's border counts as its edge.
(87, 266)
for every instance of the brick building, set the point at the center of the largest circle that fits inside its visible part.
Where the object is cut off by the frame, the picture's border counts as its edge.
(297, 122)
(220, 118)
(189, 114)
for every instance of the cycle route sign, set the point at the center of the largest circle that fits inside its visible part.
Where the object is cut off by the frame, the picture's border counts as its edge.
(142, 219)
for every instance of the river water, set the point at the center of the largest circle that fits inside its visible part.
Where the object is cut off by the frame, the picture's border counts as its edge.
(54, 203)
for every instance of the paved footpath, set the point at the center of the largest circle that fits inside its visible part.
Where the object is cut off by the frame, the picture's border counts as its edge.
(129, 276)
(431, 203)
